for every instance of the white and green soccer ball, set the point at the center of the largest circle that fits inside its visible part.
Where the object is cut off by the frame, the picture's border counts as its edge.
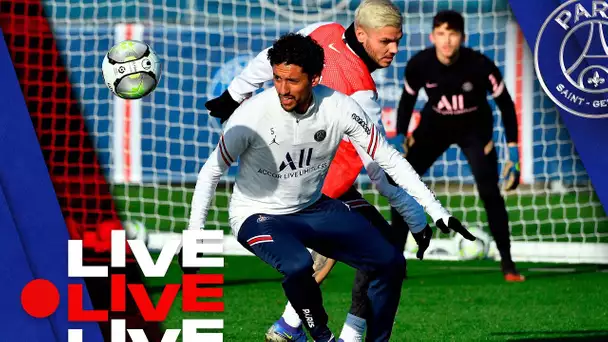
(136, 230)
(471, 250)
(131, 69)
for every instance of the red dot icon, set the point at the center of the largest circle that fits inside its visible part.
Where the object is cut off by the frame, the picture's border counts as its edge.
(39, 298)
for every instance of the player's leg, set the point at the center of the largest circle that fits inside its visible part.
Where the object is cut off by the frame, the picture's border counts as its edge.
(355, 323)
(354, 326)
(289, 326)
(482, 157)
(346, 236)
(280, 242)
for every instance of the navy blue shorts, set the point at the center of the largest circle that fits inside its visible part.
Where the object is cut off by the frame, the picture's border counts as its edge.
(329, 227)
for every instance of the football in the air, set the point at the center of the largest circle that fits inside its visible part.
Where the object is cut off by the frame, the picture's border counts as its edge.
(136, 230)
(131, 69)
(478, 249)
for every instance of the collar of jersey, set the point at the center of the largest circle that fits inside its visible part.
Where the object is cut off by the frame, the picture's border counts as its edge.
(350, 38)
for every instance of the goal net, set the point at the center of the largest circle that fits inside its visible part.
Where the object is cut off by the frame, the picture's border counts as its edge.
(150, 150)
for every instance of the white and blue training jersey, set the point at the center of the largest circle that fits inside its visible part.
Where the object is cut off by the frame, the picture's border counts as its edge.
(344, 71)
(284, 157)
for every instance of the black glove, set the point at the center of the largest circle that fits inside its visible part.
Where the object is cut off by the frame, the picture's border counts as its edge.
(186, 270)
(423, 239)
(455, 225)
(222, 107)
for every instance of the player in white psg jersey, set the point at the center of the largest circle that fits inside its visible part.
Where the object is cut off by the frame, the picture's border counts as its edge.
(286, 138)
(352, 54)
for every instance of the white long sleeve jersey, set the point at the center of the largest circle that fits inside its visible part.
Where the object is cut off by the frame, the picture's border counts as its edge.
(345, 72)
(284, 157)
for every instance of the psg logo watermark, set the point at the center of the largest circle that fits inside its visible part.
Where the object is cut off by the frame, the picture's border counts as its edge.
(571, 57)
(226, 73)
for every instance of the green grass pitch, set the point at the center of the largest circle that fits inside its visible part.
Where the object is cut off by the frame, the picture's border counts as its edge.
(441, 301)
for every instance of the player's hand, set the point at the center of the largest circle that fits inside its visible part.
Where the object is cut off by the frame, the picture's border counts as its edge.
(403, 144)
(455, 225)
(423, 239)
(407, 144)
(186, 270)
(222, 107)
(511, 172)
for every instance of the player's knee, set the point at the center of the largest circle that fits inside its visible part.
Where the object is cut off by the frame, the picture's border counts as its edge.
(298, 267)
(393, 261)
(394, 269)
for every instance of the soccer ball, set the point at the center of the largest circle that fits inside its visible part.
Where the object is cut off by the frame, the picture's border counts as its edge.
(136, 230)
(131, 69)
(478, 249)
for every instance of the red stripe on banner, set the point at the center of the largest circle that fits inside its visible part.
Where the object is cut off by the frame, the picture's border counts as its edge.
(127, 123)
(519, 75)
(71, 159)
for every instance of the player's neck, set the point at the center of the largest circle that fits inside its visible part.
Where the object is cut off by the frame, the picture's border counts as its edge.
(301, 110)
(447, 61)
(351, 40)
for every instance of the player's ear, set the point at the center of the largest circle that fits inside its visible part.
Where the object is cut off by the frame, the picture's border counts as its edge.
(316, 80)
(361, 34)
(431, 38)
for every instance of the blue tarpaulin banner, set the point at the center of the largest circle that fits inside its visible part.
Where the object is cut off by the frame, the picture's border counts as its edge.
(32, 228)
(568, 40)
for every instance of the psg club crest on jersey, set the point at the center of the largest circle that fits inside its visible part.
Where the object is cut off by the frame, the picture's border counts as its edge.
(467, 86)
(320, 135)
(571, 57)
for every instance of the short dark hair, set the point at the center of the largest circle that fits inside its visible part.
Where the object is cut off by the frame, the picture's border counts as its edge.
(296, 49)
(454, 20)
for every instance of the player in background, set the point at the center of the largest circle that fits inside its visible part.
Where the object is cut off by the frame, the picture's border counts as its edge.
(277, 209)
(457, 80)
(352, 54)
